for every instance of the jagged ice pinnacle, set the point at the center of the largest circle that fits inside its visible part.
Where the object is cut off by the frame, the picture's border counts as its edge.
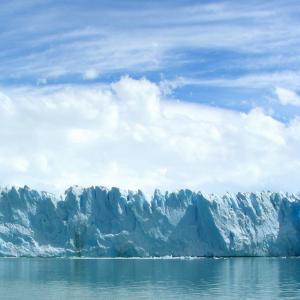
(103, 222)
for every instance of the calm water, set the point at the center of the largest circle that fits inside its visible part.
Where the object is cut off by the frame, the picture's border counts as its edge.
(232, 278)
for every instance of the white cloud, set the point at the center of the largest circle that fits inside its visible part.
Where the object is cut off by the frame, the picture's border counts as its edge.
(260, 80)
(90, 74)
(129, 134)
(53, 43)
(6, 105)
(287, 97)
(81, 136)
(19, 164)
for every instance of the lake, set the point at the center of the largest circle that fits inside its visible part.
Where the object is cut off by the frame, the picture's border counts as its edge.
(207, 278)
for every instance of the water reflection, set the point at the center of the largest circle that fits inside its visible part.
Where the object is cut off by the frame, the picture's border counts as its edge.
(232, 278)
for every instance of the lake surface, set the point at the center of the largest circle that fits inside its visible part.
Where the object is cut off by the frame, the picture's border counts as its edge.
(228, 278)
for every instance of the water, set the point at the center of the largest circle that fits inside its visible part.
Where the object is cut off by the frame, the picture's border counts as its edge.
(232, 278)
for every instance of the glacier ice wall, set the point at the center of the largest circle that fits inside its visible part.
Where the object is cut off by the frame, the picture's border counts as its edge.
(97, 221)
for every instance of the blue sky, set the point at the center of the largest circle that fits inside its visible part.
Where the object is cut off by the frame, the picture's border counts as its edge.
(229, 56)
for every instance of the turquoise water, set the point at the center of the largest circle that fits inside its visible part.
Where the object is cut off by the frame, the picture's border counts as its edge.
(231, 278)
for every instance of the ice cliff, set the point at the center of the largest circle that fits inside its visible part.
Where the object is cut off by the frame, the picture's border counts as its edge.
(97, 221)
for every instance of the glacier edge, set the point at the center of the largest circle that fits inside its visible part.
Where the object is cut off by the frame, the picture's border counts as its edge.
(102, 222)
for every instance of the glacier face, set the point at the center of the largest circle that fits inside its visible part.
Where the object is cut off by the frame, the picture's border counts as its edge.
(97, 221)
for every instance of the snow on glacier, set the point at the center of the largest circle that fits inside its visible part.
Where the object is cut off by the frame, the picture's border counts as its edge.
(103, 222)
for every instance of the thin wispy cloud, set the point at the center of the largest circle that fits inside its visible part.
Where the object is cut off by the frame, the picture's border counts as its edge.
(51, 39)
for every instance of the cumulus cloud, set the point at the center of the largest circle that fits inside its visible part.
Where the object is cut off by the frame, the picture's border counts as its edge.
(287, 97)
(129, 134)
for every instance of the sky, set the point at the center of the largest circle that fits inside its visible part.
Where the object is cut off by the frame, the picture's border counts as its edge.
(174, 94)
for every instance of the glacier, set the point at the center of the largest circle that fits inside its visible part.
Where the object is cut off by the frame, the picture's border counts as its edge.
(102, 222)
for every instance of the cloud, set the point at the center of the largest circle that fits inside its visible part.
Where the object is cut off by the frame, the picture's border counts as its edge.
(261, 80)
(130, 134)
(59, 40)
(287, 97)
(6, 105)
(90, 74)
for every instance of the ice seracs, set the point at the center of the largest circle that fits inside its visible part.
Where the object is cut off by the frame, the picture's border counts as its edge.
(98, 221)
